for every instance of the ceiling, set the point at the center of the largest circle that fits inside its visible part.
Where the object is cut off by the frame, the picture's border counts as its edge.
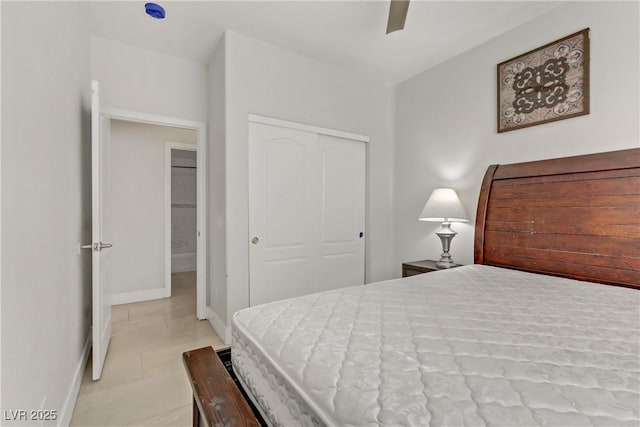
(349, 34)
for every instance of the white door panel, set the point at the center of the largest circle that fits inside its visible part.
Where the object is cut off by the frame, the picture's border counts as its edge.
(338, 195)
(285, 192)
(342, 212)
(100, 259)
(338, 271)
(285, 278)
(306, 212)
(280, 201)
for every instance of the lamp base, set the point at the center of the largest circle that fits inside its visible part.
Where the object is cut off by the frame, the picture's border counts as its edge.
(446, 263)
(446, 234)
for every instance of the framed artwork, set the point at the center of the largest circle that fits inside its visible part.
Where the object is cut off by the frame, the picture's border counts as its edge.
(545, 84)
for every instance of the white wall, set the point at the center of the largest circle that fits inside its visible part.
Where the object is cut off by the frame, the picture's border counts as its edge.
(446, 118)
(267, 80)
(46, 206)
(135, 205)
(216, 176)
(138, 79)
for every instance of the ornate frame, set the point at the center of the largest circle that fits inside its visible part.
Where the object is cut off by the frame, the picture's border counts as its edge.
(546, 84)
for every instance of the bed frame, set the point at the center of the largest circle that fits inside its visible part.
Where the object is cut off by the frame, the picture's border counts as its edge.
(575, 217)
(217, 401)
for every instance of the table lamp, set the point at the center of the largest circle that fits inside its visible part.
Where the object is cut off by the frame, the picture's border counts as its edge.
(444, 206)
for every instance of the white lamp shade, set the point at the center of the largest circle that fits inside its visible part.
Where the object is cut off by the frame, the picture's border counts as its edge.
(444, 206)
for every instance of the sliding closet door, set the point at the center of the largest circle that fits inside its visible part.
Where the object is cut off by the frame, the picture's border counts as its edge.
(306, 212)
(281, 201)
(342, 212)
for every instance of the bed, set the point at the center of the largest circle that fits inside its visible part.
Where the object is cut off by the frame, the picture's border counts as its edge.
(544, 328)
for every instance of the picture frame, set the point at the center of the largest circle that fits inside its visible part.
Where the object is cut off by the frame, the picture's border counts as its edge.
(546, 84)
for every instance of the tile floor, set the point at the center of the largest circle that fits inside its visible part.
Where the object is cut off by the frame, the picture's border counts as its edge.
(143, 381)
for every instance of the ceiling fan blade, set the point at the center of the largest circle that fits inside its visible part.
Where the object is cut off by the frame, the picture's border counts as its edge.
(397, 15)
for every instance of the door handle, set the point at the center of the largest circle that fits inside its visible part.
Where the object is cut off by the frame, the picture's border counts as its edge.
(97, 246)
(255, 240)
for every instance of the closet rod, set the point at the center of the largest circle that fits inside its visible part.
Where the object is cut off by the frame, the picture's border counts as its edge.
(185, 167)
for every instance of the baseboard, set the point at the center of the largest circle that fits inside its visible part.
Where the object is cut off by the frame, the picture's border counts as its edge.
(66, 411)
(182, 262)
(222, 331)
(137, 296)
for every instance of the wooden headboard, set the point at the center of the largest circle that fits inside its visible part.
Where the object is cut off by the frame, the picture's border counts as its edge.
(575, 217)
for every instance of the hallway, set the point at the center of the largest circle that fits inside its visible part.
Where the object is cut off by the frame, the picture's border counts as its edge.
(144, 382)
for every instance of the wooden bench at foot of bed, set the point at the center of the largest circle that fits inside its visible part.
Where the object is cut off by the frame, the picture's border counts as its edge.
(216, 399)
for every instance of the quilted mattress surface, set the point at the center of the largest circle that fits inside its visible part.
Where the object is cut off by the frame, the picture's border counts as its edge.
(475, 345)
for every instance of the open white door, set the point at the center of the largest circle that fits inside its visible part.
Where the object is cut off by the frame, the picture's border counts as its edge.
(100, 252)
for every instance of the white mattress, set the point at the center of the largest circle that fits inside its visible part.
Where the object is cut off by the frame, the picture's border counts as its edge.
(475, 345)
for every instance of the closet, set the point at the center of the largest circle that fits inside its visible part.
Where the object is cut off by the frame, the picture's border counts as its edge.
(306, 210)
(183, 210)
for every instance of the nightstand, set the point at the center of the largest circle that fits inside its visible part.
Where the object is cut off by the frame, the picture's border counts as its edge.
(419, 267)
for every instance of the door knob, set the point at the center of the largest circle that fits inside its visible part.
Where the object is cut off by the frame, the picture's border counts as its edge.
(255, 240)
(97, 246)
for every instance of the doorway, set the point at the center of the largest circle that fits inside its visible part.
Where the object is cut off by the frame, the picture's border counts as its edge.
(197, 144)
(180, 210)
